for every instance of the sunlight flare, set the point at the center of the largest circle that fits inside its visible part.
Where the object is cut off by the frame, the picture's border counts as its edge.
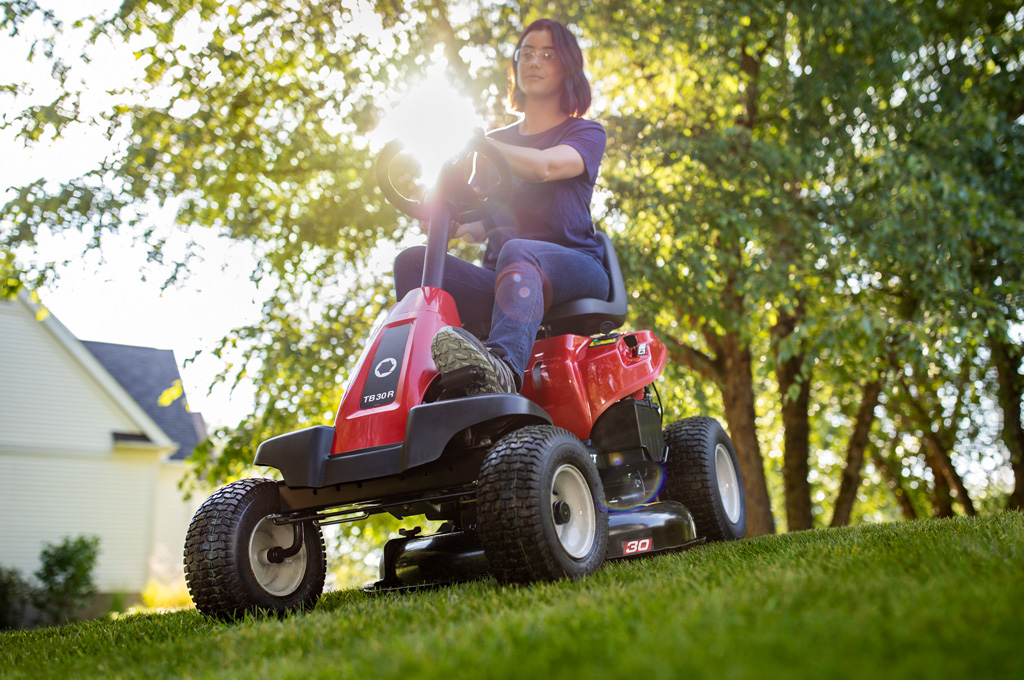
(433, 120)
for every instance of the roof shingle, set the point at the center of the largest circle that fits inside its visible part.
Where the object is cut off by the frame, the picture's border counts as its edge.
(147, 375)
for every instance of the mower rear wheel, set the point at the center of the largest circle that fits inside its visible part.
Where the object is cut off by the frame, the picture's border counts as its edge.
(703, 474)
(541, 507)
(231, 565)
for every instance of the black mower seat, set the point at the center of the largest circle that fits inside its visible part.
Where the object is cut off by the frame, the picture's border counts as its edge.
(591, 316)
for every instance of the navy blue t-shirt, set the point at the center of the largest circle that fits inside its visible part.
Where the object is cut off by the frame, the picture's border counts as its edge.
(559, 211)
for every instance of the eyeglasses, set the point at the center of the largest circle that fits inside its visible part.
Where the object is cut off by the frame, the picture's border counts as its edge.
(525, 54)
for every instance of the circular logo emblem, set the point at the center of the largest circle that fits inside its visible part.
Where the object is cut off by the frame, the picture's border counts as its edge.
(385, 368)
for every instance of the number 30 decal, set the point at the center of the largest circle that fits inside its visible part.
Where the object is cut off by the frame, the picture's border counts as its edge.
(634, 547)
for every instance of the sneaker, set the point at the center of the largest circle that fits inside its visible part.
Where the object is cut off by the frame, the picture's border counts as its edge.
(454, 348)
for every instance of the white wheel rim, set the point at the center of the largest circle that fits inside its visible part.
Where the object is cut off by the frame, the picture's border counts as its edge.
(728, 483)
(277, 578)
(578, 533)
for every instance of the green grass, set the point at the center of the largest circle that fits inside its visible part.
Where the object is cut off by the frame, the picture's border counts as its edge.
(932, 599)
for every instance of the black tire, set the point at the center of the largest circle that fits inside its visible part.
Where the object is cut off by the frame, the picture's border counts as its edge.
(521, 476)
(703, 474)
(226, 568)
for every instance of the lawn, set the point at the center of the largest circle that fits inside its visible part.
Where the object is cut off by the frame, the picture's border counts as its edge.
(931, 599)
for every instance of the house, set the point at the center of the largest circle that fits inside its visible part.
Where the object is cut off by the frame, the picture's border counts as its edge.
(93, 438)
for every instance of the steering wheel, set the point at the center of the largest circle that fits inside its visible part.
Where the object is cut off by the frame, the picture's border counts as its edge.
(468, 204)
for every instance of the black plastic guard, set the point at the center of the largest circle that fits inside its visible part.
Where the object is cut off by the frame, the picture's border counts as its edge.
(651, 528)
(301, 456)
(431, 426)
(304, 457)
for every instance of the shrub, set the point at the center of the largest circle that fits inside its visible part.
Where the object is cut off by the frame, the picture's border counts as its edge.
(65, 577)
(14, 594)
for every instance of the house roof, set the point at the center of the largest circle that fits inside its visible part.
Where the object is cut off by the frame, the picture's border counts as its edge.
(149, 432)
(150, 376)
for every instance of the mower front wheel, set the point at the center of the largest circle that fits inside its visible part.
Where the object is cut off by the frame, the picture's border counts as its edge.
(541, 507)
(238, 560)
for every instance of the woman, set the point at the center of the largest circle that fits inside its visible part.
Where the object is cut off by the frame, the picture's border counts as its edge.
(543, 250)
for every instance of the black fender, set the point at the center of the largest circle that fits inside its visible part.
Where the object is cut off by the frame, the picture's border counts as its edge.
(304, 456)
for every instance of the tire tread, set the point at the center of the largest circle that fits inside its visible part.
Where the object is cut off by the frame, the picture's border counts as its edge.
(212, 569)
(690, 475)
(511, 524)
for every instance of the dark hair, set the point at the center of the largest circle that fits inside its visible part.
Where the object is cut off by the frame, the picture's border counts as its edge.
(575, 88)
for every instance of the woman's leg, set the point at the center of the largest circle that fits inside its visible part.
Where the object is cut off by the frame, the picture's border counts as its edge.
(532, 276)
(454, 348)
(471, 286)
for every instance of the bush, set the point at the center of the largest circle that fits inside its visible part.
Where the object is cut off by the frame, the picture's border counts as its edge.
(65, 577)
(14, 593)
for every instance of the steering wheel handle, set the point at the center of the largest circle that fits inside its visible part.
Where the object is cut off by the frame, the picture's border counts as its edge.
(484, 202)
(491, 199)
(382, 168)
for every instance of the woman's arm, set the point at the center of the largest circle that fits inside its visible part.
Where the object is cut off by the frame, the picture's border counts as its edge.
(542, 165)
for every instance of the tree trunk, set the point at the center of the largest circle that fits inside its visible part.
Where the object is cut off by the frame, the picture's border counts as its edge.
(937, 457)
(738, 395)
(795, 394)
(732, 370)
(941, 464)
(942, 494)
(856, 447)
(1007, 358)
(895, 483)
(795, 397)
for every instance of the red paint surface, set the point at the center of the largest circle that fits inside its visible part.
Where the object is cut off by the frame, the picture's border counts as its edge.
(579, 380)
(579, 377)
(427, 310)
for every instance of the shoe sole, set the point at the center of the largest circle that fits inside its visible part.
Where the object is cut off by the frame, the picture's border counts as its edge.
(452, 351)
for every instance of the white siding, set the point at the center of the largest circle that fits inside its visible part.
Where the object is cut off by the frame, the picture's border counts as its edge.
(48, 401)
(46, 498)
(61, 473)
(173, 515)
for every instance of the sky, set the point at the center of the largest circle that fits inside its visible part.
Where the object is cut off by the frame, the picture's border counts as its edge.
(114, 294)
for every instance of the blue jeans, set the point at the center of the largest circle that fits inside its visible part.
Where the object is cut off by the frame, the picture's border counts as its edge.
(530, 277)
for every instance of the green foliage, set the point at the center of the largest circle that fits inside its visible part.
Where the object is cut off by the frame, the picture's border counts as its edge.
(827, 191)
(10, 276)
(888, 601)
(836, 176)
(63, 584)
(14, 594)
(65, 577)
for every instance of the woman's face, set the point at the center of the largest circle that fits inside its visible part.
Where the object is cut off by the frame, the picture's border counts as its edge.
(539, 71)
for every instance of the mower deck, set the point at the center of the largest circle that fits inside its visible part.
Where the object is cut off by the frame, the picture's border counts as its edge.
(450, 556)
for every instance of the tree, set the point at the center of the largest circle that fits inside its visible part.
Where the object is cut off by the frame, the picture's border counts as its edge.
(792, 217)
(252, 119)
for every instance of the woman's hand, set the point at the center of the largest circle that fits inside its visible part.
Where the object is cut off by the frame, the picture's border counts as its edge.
(471, 232)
